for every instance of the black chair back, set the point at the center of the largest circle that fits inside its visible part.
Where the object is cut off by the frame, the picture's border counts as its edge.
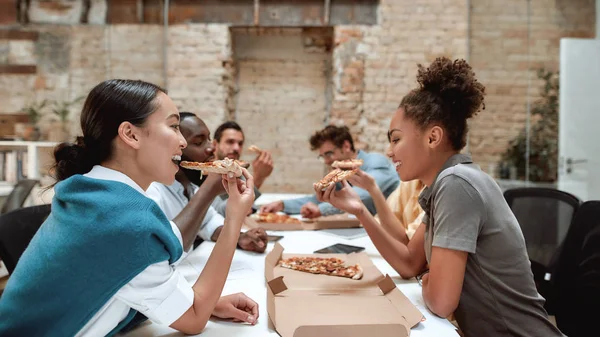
(576, 280)
(545, 216)
(17, 228)
(18, 195)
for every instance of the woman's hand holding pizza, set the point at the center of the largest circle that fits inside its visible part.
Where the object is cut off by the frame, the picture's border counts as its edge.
(345, 199)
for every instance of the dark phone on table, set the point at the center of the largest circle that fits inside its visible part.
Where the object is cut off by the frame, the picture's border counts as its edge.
(340, 248)
(273, 238)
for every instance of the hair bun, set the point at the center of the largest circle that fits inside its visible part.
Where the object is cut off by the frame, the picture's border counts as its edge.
(455, 84)
(70, 159)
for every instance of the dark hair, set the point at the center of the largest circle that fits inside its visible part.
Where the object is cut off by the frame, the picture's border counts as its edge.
(227, 125)
(109, 104)
(185, 114)
(448, 94)
(335, 134)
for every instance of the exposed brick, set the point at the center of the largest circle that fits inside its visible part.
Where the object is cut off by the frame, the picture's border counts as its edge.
(355, 76)
(197, 75)
(8, 14)
(281, 99)
(122, 11)
(17, 69)
(14, 34)
(55, 11)
(499, 55)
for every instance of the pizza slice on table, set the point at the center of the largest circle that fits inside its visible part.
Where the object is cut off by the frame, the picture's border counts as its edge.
(218, 166)
(277, 218)
(321, 265)
(333, 177)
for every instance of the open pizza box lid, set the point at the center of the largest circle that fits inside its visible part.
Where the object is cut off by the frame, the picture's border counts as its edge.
(324, 222)
(302, 304)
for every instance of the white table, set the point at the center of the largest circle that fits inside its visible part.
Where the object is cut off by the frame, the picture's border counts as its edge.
(247, 275)
(266, 198)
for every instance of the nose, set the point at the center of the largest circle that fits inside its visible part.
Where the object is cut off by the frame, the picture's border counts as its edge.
(389, 151)
(328, 161)
(209, 150)
(182, 141)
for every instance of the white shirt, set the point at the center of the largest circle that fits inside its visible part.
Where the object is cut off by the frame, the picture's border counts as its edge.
(159, 292)
(171, 199)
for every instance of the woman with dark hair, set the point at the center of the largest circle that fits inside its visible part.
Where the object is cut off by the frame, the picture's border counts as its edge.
(107, 251)
(471, 241)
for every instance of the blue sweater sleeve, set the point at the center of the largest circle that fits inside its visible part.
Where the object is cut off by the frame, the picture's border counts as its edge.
(292, 206)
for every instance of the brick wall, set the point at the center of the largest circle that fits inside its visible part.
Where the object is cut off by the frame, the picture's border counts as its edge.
(281, 99)
(198, 77)
(364, 74)
(71, 60)
(410, 32)
(499, 56)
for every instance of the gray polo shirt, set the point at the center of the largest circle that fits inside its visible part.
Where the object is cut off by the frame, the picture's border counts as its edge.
(465, 210)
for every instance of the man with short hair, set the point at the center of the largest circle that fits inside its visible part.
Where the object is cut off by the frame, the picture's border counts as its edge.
(172, 199)
(335, 143)
(229, 143)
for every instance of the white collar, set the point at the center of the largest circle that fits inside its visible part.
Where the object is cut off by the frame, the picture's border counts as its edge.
(178, 188)
(104, 173)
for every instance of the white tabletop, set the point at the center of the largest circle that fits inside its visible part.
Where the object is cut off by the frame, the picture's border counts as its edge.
(266, 198)
(247, 276)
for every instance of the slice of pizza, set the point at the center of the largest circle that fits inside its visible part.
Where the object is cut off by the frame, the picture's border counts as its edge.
(218, 166)
(243, 163)
(349, 164)
(255, 149)
(333, 177)
(323, 266)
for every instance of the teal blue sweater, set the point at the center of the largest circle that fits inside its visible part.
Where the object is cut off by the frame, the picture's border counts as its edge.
(99, 235)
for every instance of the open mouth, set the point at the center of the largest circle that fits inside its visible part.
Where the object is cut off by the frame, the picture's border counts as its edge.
(176, 159)
(397, 164)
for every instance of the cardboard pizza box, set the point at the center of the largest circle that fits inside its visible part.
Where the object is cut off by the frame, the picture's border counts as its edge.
(301, 304)
(324, 222)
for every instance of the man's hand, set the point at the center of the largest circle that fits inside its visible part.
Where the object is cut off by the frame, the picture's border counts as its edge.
(254, 240)
(310, 210)
(262, 167)
(214, 183)
(238, 307)
(274, 207)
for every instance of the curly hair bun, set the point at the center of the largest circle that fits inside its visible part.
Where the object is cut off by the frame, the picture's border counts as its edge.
(455, 84)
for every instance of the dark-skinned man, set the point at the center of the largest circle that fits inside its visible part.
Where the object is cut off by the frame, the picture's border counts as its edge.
(172, 199)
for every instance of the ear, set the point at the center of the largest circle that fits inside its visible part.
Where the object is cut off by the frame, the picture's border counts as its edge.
(435, 136)
(130, 134)
(346, 147)
(214, 143)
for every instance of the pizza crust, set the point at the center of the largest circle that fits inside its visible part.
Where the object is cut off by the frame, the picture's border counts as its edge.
(334, 176)
(350, 164)
(255, 149)
(218, 166)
